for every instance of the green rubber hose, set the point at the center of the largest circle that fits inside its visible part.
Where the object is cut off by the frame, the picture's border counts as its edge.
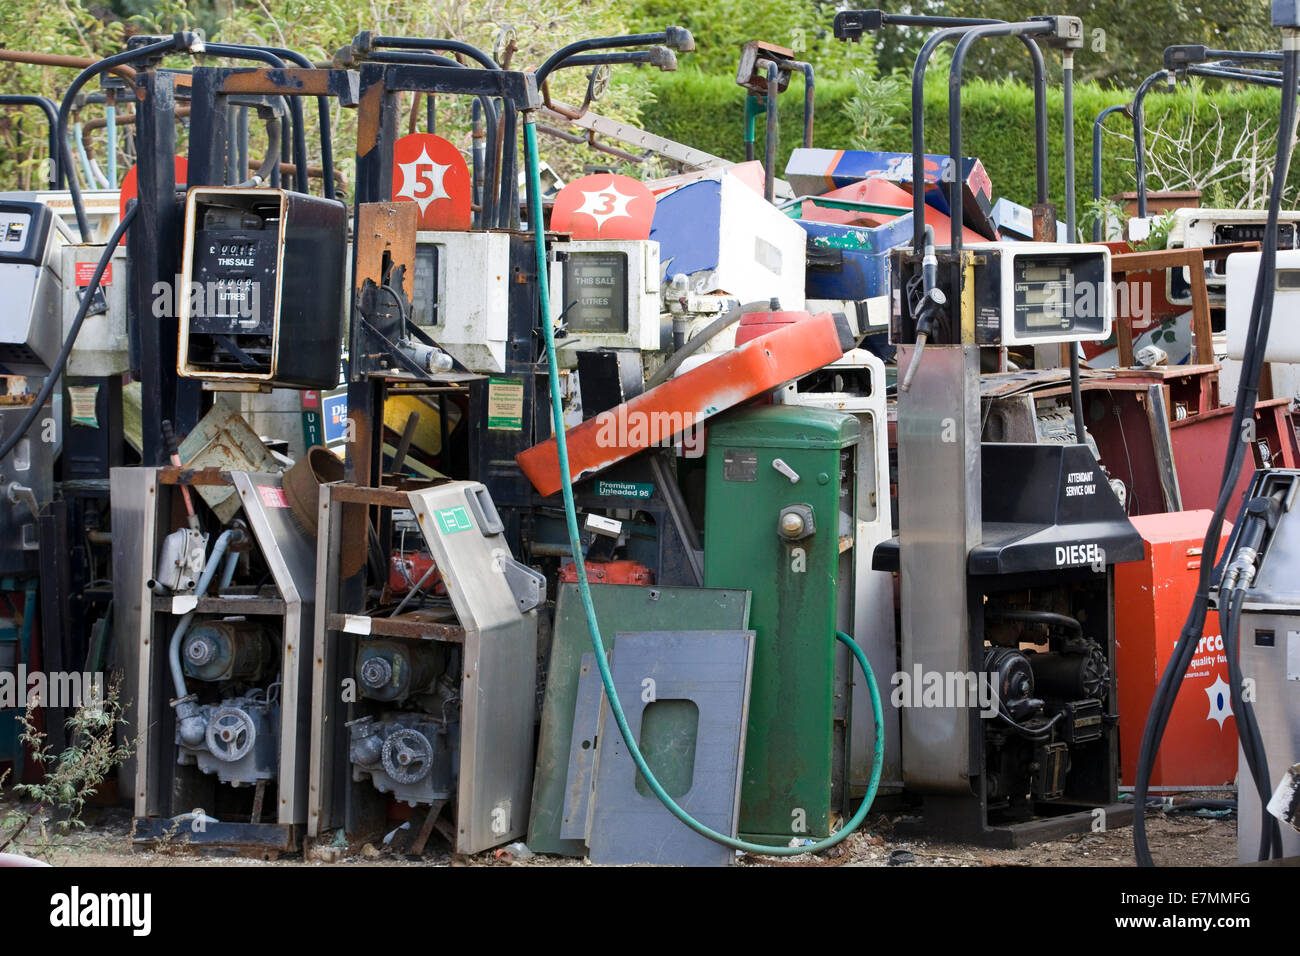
(584, 588)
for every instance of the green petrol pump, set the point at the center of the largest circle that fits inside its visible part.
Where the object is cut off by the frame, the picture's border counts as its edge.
(779, 521)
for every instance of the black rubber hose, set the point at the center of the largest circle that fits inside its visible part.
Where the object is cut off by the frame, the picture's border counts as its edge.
(56, 370)
(65, 110)
(1256, 337)
(298, 133)
(694, 344)
(323, 115)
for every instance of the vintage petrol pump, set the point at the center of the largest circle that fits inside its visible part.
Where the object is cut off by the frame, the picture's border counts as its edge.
(780, 520)
(1004, 551)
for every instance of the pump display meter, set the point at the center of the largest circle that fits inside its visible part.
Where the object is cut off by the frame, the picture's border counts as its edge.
(262, 281)
(1015, 293)
(595, 292)
(608, 292)
(1055, 294)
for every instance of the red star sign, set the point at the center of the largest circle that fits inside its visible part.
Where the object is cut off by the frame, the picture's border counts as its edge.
(604, 206)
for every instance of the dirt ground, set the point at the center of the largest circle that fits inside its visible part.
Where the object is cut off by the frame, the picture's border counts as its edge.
(1178, 839)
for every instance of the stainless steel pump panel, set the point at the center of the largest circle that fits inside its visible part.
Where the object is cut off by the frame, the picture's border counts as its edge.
(459, 728)
(32, 238)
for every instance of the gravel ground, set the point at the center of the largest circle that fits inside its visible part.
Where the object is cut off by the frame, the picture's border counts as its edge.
(1180, 839)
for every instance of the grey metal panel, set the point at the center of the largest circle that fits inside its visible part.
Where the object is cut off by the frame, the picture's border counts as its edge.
(498, 683)
(939, 524)
(874, 630)
(582, 752)
(326, 706)
(1276, 672)
(132, 492)
(619, 607)
(290, 555)
(713, 669)
(1162, 441)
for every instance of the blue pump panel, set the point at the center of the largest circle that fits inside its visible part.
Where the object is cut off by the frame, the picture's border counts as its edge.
(686, 225)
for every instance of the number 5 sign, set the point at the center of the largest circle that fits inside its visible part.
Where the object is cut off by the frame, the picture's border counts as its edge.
(430, 172)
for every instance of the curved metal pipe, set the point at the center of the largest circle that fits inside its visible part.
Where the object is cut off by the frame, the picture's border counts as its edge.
(675, 37)
(809, 85)
(918, 129)
(204, 582)
(1098, 126)
(954, 111)
(1139, 136)
(932, 42)
(46, 106)
(445, 46)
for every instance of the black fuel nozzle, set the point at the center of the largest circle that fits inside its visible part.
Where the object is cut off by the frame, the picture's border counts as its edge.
(927, 309)
(932, 304)
(1261, 517)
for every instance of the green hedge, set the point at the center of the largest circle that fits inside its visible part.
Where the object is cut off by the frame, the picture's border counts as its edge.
(708, 112)
(997, 126)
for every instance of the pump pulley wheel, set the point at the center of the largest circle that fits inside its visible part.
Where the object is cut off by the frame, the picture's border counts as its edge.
(408, 756)
(231, 733)
(598, 82)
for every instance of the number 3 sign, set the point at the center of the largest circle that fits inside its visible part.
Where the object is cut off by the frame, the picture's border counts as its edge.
(430, 172)
(604, 206)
